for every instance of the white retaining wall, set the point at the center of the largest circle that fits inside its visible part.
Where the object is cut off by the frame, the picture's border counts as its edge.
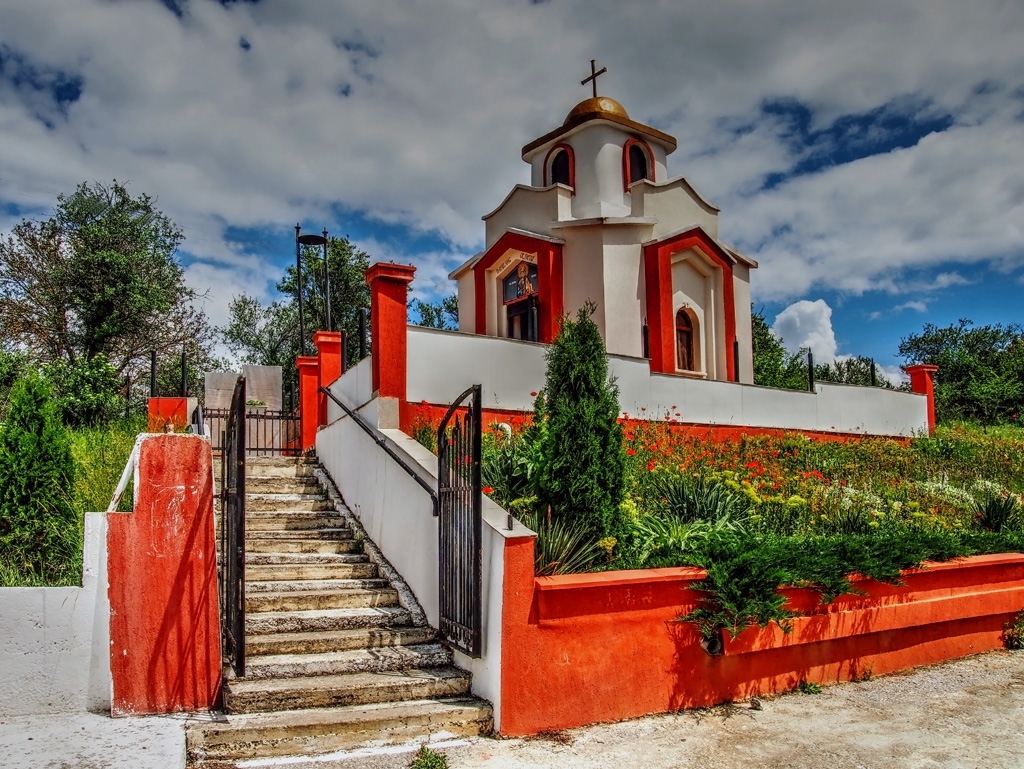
(443, 363)
(398, 516)
(55, 641)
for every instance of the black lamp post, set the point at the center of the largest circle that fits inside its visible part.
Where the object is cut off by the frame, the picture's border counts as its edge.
(310, 240)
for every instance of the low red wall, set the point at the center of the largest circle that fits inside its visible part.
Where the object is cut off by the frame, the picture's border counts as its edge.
(413, 415)
(588, 648)
(161, 565)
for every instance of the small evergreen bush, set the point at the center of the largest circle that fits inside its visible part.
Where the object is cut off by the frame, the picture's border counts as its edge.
(38, 520)
(578, 436)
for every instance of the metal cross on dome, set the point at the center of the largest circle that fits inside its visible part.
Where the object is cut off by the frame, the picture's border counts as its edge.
(595, 73)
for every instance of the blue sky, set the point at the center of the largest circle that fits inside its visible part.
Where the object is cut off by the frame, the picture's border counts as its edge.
(869, 155)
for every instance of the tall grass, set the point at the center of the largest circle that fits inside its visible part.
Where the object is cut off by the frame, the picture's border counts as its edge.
(99, 454)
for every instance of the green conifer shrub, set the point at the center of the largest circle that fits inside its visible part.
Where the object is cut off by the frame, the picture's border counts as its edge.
(579, 438)
(38, 520)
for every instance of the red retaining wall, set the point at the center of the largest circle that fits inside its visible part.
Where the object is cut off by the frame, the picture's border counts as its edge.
(161, 562)
(586, 648)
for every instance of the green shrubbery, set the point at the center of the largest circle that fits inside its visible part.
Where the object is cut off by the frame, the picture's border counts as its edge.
(39, 524)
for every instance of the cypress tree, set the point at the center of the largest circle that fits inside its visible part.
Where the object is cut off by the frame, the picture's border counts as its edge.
(37, 513)
(580, 439)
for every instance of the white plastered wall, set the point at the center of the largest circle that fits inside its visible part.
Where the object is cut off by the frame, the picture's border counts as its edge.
(744, 333)
(397, 514)
(55, 641)
(510, 371)
(583, 272)
(676, 206)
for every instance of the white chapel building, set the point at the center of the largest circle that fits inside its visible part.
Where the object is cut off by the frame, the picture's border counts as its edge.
(602, 221)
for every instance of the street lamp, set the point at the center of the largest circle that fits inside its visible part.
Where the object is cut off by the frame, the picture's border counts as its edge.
(310, 240)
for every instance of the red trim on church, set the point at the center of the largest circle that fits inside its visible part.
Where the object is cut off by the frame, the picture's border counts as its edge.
(661, 313)
(572, 165)
(549, 281)
(625, 161)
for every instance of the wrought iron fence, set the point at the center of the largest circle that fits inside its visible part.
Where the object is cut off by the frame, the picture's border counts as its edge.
(232, 532)
(268, 433)
(459, 529)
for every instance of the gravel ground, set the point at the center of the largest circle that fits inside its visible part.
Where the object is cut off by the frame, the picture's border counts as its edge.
(963, 714)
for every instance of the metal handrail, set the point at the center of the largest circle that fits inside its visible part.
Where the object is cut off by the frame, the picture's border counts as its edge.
(381, 441)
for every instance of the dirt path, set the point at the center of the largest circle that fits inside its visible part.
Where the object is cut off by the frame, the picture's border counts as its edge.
(968, 713)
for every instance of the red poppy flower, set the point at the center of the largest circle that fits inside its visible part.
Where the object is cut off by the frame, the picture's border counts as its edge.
(533, 395)
(631, 452)
(487, 490)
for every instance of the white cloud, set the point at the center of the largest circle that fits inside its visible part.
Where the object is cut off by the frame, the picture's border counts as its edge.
(807, 324)
(441, 96)
(914, 305)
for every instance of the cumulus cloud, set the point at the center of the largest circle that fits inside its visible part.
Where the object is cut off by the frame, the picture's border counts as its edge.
(808, 324)
(255, 115)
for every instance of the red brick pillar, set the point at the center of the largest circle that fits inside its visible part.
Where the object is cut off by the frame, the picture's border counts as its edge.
(309, 398)
(162, 567)
(922, 381)
(389, 320)
(328, 345)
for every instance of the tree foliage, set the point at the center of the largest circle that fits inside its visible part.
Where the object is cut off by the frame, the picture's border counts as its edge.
(856, 371)
(37, 513)
(85, 392)
(577, 433)
(981, 369)
(443, 314)
(99, 278)
(268, 335)
(773, 366)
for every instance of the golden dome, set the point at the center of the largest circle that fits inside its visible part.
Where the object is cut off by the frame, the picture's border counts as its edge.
(597, 104)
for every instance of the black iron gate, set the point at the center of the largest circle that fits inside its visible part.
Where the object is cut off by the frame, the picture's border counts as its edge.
(232, 533)
(267, 433)
(461, 499)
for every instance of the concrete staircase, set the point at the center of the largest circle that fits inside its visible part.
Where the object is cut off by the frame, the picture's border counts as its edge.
(333, 661)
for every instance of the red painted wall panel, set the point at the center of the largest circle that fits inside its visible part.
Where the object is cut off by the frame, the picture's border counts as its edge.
(603, 647)
(161, 562)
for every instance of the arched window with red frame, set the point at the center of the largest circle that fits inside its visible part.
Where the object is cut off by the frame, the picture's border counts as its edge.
(686, 360)
(560, 167)
(637, 162)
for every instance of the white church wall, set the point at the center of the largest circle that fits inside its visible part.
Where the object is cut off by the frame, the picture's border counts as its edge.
(397, 515)
(741, 296)
(510, 370)
(599, 185)
(692, 289)
(621, 290)
(354, 388)
(467, 302)
(676, 206)
(526, 208)
(55, 641)
(583, 271)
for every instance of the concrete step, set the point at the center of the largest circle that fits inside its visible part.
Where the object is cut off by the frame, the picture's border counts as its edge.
(375, 618)
(312, 732)
(382, 659)
(324, 641)
(311, 571)
(302, 484)
(293, 520)
(290, 502)
(278, 558)
(334, 533)
(274, 694)
(310, 585)
(308, 546)
(299, 600)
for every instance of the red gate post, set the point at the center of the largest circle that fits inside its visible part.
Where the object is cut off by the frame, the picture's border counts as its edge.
(922, 381)
(389, 321)
(309, 409)
(328, 345)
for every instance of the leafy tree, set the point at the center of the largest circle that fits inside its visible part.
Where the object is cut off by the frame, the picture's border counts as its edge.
(773, 366)
(349, 291)
(443, 314)
(12, 364)
(579, 439)
(99, 277)
(37, 474)
(981, 369)
(262, 336)
(85, 392)
(855, 371)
